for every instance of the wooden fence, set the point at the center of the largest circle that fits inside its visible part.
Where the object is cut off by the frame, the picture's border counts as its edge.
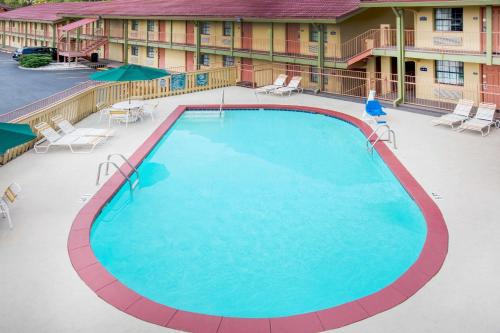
(83, 103)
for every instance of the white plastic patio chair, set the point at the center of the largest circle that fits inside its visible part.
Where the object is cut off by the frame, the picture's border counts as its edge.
(293, 85)
(278, 83)
(101, 108)
(8, 198)
(149, 108)
(53, 139)
(482, 121)
(125, 116)
(458, 116)
(68, 129)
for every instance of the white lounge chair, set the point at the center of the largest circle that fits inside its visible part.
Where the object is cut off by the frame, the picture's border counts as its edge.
(293, 85)
(53, 139)
(9, 196)
(482, 121)
(68, 129)
(460, 114)
(278, 83)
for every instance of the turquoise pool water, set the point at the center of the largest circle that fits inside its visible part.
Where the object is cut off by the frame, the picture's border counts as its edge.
(260, 214)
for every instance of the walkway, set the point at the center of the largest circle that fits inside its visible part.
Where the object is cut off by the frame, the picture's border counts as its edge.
(42, 293)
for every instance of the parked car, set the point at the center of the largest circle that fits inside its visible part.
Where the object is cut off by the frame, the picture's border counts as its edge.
(52, 51)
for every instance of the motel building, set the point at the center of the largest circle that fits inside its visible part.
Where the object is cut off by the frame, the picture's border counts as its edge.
(427, 54)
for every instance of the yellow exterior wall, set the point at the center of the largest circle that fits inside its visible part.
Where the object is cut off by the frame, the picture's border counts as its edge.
(260, 36)
(427, 37)
(426, 88)
(364, 21)
(116, 28)
(140, 33)
(116, 52)
(279, 41)
(179, 31)
(175, 59)
(142, 58)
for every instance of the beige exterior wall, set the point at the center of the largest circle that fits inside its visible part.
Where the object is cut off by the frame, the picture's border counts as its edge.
(279, 43)
(115, 52)
(175, 59)
(426, 88)
(260, 35)
(141, 58)
(116, 28)
(468, 40)
(364, 21)
(179, 31)
(237, 35)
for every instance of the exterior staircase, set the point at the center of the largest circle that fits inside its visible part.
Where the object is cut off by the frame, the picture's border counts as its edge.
(68, 46)
(362, 46)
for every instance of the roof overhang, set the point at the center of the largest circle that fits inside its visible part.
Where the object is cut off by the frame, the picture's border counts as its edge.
(454, 3)
(77, 24)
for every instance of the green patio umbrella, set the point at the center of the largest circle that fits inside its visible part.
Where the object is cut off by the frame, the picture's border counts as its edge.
(128, 73)
(12, 135)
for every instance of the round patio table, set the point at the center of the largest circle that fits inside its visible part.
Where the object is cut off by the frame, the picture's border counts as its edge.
(129, 105)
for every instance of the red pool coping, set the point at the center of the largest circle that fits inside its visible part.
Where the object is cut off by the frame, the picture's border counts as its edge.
(115, 293)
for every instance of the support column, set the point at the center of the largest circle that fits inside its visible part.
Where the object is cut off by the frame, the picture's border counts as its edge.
(489, 35)
(25, 33)
(400, 42)
(171, 33)
(271, 42)
(125, 41)
(232, 38)
(54, 35)
(78, 32)
(3, 32)
(321, 55)
(198, 44)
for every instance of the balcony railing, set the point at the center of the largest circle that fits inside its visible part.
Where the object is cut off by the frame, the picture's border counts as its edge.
(350, 51)
(446, 42)
(496, 43)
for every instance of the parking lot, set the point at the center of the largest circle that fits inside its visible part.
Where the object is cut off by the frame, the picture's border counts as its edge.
(20, 87)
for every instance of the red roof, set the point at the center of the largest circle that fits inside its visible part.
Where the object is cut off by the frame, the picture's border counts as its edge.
(265, 9)
(42, 12)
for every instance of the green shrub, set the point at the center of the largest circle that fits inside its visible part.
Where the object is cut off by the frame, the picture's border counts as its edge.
(35, 60)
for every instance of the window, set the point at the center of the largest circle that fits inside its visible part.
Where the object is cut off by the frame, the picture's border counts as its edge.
(449, 19)
(99, 24)
(314, 77)
(227, 61)
(151, 25)
(314, 34)
(134, 50)
(205, 28)
(450, 72)
(228, 28)
(135, 25)
(151, 52)
(205, 60)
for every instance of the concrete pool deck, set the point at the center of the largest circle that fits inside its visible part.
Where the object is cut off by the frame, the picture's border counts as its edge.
(41, 292)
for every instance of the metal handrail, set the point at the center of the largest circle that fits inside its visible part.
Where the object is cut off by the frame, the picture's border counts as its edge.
(108, 162)
(131, 184)
(391, 138)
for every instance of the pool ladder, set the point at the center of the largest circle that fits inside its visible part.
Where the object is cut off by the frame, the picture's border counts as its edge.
(108, 162)
(380, 131)
(221, 110)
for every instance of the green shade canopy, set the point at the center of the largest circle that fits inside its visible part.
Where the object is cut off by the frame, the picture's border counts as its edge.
(12, 135)
(129, 73)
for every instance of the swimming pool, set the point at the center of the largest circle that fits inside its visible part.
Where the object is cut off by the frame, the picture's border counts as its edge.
(260, 214)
